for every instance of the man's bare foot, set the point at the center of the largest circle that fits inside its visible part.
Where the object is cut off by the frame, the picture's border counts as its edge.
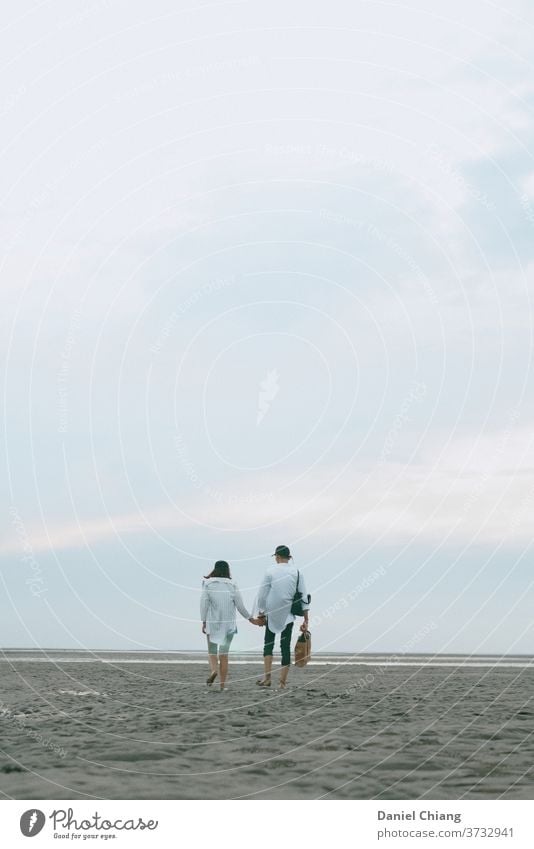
(211, 679)
(264, 682)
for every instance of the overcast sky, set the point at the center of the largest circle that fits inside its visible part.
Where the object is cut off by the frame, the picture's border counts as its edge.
(267, 277)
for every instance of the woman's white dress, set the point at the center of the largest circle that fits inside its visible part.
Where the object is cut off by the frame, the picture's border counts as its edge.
(219, 600)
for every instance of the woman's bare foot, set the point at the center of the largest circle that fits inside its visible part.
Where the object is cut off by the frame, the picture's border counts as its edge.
(211, 679)
(264, 682)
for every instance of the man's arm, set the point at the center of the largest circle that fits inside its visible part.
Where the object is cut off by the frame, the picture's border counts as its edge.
(263, 593)
(306, 606)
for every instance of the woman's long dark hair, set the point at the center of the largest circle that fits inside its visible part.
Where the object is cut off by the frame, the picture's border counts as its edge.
(220, 570)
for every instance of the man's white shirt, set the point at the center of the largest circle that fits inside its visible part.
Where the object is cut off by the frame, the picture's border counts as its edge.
(276, 593)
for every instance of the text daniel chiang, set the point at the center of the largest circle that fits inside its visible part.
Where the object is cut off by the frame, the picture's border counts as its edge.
(427, 816)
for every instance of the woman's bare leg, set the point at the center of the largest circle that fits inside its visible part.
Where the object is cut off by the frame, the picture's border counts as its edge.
(223, 669)
(212, 658)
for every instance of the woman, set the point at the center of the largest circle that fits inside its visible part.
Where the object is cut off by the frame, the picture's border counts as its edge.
(218, 602)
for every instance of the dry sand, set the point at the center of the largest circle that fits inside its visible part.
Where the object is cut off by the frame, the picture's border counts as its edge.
(154, 730)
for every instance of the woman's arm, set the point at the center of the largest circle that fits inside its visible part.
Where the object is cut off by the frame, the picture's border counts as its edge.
(204, 603)
(239, 603)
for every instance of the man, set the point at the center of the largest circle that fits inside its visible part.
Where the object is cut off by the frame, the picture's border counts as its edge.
(274, 602)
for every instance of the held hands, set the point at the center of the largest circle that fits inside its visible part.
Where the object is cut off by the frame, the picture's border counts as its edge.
(257, 620)
(304, 626)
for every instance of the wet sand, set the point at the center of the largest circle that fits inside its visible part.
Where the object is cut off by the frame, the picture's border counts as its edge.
(153, 730)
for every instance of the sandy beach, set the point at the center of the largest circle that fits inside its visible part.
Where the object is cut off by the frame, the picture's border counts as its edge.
(118, 725)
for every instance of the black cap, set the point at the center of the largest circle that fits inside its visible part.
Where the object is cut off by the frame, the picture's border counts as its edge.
(282, 551)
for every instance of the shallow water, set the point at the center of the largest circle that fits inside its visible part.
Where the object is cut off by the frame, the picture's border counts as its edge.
(144, 725)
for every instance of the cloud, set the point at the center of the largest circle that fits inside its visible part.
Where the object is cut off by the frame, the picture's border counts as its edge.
(476, 490)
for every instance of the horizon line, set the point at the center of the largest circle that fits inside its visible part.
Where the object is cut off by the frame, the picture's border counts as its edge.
(254, 652)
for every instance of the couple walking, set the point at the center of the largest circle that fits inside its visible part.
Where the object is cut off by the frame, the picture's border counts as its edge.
(221, 597)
